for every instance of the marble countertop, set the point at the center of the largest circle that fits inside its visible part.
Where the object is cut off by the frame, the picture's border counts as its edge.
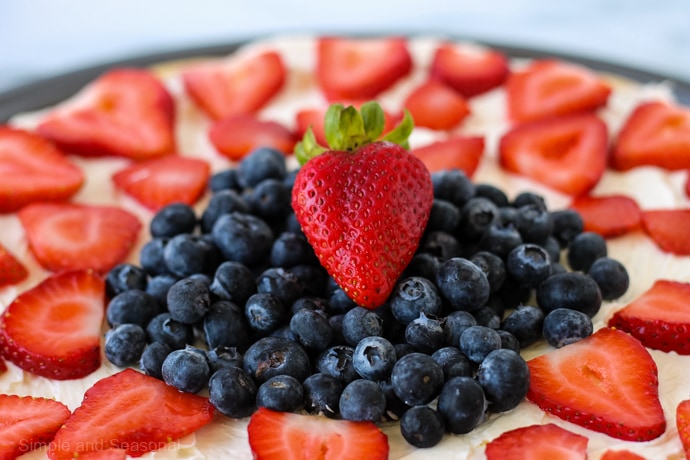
(45, 37)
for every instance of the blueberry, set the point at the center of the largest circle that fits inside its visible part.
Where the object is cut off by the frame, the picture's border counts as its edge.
(455, 324)
(463, 284)
(584, 249)
(487, 316)
(453, 362)
(281, 393)
(186, 255)
(359, 323)
(124, 277)
(413, 296)
(509, 341)
(310, 303)
(163, 328)
(151, 256)
(529, 198)
(444, 216)
(173, 219)
(534, 223)
(416, 379)
(340, 302)
(440, 244)
(476, 342)
(151, 361)
(395, 408)
(188, 300)
(322, 394)
(611, 277)
(243, 238)
(500, 238)
(125, 344)
(233, 281)
(291, 249)
(225, 325)
(221, 357)
(525, 323)
(336, 322)
(336, 361)
(232, 391)
(374, 358)
(403, 348)
(452, 185)
(423, 265)
(223, 202)
(504, 377)
(477, 214)
(572, 290)
(564, 326)
(187, 370)
(270, 199)
(281, 283)
(312, 329)
(132, 306)
(264, 312)
(493, 193)
(362, 400)
(422, 426)
(224, 180)
(462, 404)
(528, 264)
(425, 334)
(493, 267)
(270, 356)
(567, 224)
(312, 278)
(262, 163)
(158, 288)
(513, 294)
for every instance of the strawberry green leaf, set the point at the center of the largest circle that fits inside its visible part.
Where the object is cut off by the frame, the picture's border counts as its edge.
(308, 147)
(374, 120)
(402, 132)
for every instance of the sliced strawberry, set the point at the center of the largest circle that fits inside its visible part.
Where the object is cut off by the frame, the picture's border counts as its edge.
(360, 69)
(11, 270)
(455, 153)
(235, 87)
(73, 236)
(28, 423)
(656, 134)
(587, 383)
(108, 454)
(314, 118)
(683, 425)
(669, 229)
(236, 136)
(548, 88)
(129, 411)
(33, 169)
(161, 181)
(621, 455)
(470, 70)
(567, 154)
(125, 112)
(53, 330)
(538, 442)
(659, 318)
(436, 106)
(288, 436)
(610, 215)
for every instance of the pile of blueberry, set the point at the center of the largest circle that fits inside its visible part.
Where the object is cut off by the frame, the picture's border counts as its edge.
(235, 301)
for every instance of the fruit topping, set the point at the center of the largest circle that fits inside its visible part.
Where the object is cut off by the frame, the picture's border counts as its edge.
(668, 229)
(436, 106)
(236, 136)
(587, 383)
(53, 329)
(621, 455)
(284, 436)
(11, 270)
(659, 318)
(125, 112)
(463, 153)
(683, 425)
(75, 236)
(314, 119)
(535, 442)
(131, 411)
(609, 216)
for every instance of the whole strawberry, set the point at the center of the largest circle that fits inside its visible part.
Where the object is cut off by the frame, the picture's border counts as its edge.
(364, 203)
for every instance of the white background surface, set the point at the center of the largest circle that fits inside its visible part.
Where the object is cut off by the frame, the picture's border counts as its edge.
(43, 37)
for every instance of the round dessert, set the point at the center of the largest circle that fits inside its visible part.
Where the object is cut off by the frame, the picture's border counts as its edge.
(181, 276)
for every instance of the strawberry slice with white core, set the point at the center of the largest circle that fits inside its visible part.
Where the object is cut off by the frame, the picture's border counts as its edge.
(72, 236)
(125, 112)
(621, 455)
(236, 136)
(683, 425)
(668, 228)
(436, 106)
(28, 423)
(538, 442)
(589, 383)
(354, 69)
(288, 436)
(235, 87)
(11, 270)
(33, 169)
(161, 181)
(609, 215)
(53, 330)
(659, 318)
(458, 152)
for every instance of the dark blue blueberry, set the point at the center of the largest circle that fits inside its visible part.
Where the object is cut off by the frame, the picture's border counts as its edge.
(125, 344)
(185, 255)
(151, 361)
(508, 215)
(224, 180)
(493, 193)
(243, 238)
(374, 358)
(487, 316)
(133, 306)
(292, 224)
(187, 370)
(477, 214)
(310, 303)
(290, 178)
(425, 334)
(444, 216)
(340, 302)
(564, 326)
(224, 202)
(359, 323)
(124, 277)
(567, 224)
(322, 394)
(221, 357)
(152, 257)
(441, 245)
(264, 312)
(463, 284)
(311, 329)
(462, 404)
(497, 304)
(493, 267)
(281, 393)
(417, 379)
(336, 361)
(553, 248)
(504, 377)
(173, 219)
(395, 408)
(403, 348)
(512, 294)
(312, 278)
(362, 401)
(188, 300)
(476, 342)
(572, 290)
(280, 283)
(291, 249)
(262, 163)
(412, 296)
(284, 332)
(270, 356)
(232, 391)
(584, 249)
(534, 223)
(455, 324)
(452, 185)
(509, 341)
(525, 323)
(529, 198)
(336, 322)
(233, 281)
(423, 265)
(500, 238)
(158, 287)
(163, 328)
(453, 362)
(611, 277)
(270, 199)
(225, 325)
(529, 265)
(422, 426)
